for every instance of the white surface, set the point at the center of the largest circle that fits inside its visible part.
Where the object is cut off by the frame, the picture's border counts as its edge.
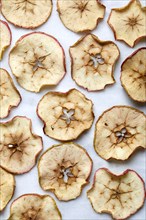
(79, 209)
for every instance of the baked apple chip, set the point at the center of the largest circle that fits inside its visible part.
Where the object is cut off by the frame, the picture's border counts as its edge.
(26, 13)
(133, 75)
(119, 195)
(5, 37)
(80, 15)
(7, 187)
(19, 147)
(70, 114)
(37, 60)
(119, 131)
(64, 169)
(9, 95)
(93, 62)
(128, 23)
(34, 207)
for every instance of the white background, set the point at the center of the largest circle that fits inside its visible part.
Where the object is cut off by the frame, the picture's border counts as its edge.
(79, 209)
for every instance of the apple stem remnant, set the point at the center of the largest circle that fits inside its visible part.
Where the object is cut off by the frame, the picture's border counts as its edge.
(97, 59)
(68, 115)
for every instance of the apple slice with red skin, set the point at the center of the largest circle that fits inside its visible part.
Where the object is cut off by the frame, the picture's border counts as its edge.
(34, 206)
(5, 37)
(9, 95)
(37, 60)
(27, 14)
(118, 195)
(64, 169)
(19, 147)
(7, 187)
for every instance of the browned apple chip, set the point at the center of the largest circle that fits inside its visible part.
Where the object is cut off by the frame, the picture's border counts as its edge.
(64, 169)
(119, 131)
(9, 95)
(80, 15)
(7, 187)
(37, 60)
(133, 75)
(5, 37)
(34, 207)
(19, 147)
(128, 23)
(26, 13)
(93, 62)
(119, 195)
(65, 115)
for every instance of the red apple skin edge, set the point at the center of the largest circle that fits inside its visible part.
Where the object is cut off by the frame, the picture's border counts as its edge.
(5, 23)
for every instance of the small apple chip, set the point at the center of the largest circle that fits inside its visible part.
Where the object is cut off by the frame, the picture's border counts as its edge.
(37, 60)
(128, 23)
(26, 13)
(19, 147)
(80, 15)
(5, 37)
(64, 169)
(33, 207)
(119, 131)
(119, 195)
(93, 62)
(133, 75)
(9, 95)
(7, 187)
(70, 114)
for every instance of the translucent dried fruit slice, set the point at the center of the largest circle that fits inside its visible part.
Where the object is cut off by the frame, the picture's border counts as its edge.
(7, 187)
(70, 114)
(26, 13)
(133, 75)
(119, 131)
(5, 37)
(33, 207)
(9, 95)
(19, 147)
(37, 60)
(80, 15)
(64, 169)
(119, 195)
(128, 23)
(93, 62)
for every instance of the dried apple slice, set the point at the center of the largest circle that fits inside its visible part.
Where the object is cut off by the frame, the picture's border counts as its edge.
(119, 195)
(37, 60)
(80, 15)
(5, 37)
(70, 114)
(93, 62)
(9, 95)
(128, 23)
(133, 75)
(26, 13)
(33, 207)
(64, 169)
(7, 187)
(19, 147)
(119, 131)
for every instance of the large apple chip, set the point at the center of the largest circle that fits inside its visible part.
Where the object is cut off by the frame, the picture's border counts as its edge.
(93, 62)
(7, 187)
(19, 147)
(119, 195)
(119, 131)
(34, 207)
(80, 15)
(37, 60)
(9, 95)
(64, 169)
(65, 115)
(5, 37)
(128, 23)
(133, 75)
(26, 13)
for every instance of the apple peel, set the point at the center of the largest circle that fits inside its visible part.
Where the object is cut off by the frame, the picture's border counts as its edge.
(5, 37)
(64, 169)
